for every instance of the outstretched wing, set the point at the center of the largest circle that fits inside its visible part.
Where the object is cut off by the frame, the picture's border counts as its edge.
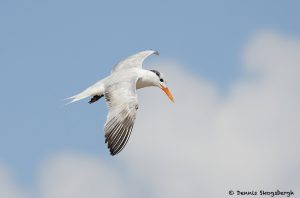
(122, 101)
(134, 61)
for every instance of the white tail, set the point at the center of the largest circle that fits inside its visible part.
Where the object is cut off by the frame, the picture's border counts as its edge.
(77, 97)
(96, 89)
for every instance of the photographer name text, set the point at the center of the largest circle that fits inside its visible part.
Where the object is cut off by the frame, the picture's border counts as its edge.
(276, 193)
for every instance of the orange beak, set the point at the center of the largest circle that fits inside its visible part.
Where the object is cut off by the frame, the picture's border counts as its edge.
(167, 91)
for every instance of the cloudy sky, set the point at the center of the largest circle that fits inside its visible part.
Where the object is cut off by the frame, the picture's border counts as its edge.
(232, 66)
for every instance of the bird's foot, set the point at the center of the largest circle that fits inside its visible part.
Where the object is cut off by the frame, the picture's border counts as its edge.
(95, 98)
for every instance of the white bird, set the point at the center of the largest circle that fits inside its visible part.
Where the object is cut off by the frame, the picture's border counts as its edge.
(119, 90)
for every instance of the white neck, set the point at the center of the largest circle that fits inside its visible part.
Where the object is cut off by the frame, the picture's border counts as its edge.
(146, 79)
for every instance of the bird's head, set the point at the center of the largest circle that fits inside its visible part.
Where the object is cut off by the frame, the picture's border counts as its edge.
(160, 82)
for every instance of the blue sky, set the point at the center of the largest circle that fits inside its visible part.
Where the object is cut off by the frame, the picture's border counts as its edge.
(50, 50)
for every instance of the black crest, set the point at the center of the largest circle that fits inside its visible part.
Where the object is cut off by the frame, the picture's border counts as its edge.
(156, 72)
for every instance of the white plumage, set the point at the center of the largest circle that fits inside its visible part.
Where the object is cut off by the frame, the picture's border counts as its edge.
(119, 90)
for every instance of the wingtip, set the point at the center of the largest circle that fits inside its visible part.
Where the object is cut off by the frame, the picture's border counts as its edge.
(154, 52)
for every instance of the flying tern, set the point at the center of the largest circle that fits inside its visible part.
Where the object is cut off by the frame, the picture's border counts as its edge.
(119, 91)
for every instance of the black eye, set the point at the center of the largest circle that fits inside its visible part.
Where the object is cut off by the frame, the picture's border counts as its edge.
(161, 80)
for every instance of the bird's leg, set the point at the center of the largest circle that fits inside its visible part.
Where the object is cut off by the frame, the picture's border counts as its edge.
(95, 98)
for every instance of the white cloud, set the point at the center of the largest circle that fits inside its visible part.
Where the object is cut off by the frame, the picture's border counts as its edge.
(203, 145)
(8, 188)
(79, 176)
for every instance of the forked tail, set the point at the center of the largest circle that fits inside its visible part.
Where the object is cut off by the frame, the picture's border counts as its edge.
(92, 91)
